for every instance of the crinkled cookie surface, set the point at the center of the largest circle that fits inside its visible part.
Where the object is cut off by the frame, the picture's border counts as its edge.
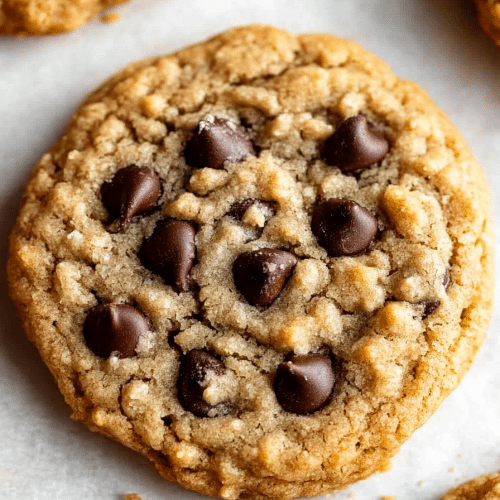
(488, 13)
(481, 488)
(35, 17)
(262, 262)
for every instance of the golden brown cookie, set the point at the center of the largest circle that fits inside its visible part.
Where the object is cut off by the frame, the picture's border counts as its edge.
(35, 17)
(488, 13)
(481, 488)
(262, 262)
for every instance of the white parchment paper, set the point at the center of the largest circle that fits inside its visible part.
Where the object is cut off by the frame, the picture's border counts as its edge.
(46, 456)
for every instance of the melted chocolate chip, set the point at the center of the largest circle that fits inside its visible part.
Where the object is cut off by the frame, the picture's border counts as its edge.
(342, 227)
(194, 368)
(239, 208)
(356, 145)
(134, 190)
(217, 141)
(429, 307)
(170, 252)
(261, 275)
(114, 328)
(304, 384)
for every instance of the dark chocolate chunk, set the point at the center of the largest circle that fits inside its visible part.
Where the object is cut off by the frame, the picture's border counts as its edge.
(261, 275)
(194, 368)
(114, 328)
(342, 227)
(239, 208)
(304, 384)
(356, 145)
(133, 190)
(170, 252)
(217, 141)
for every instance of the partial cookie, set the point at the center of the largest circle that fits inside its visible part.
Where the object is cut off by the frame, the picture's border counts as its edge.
(481, 488)
(34, 17)
(262, 262)
(488, 13)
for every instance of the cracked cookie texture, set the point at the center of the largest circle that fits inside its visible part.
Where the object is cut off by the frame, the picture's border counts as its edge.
(481, 488)
(262, 262)
(488, 14)
(35, 17)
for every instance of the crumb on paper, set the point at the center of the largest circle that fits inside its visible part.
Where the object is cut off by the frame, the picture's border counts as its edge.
(420, 483)
(459, 455)
(132, 496)
(451, 469)
(112, 17)
(352, 495)
(388, 497)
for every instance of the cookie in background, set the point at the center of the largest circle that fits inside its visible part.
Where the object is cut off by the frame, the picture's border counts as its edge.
(34, 17)
(481, 488)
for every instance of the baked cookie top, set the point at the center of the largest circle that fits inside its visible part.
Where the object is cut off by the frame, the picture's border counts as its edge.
(488, 13)
(34, 17)
(262, 261)
(481, 488)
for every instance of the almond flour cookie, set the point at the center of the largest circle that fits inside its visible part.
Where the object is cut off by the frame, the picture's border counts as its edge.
(35, 17)
(262, 262)
(488, 13)
(481, 488)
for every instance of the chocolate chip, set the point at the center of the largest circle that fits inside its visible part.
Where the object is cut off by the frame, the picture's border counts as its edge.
(260, 275)
(217, 141)
(114, 328)
(429, 307)
(342, 227)
(356, 145)
(170, 252)
(239, 208)
(133, 190)
(195, 366)
(304, 384)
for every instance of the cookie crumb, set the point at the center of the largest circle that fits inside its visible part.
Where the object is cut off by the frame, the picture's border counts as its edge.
(132, 496)
(352, 495)
(111, 17)
(420, 483)
(459, 455)
(388, 497)
(451, 469)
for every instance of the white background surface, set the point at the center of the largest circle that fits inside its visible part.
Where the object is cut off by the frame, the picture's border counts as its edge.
(43, 454)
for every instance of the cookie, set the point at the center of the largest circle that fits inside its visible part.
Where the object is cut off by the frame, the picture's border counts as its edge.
(262, 262)
(488, 14)
(32, 17)
(481, 488)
